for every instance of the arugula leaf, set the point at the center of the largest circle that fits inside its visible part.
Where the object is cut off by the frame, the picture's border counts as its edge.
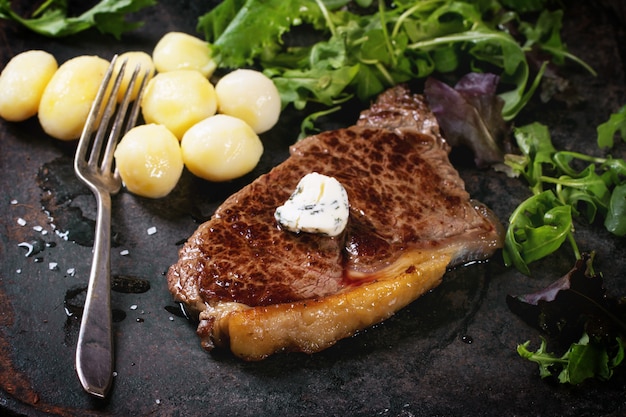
(108, 16)
(583, 360)
(299, 87)
(537, 228)
(542, 357)
(608, 129)
(561, 192)
(615, 221)
(536, 146)
(546, 34)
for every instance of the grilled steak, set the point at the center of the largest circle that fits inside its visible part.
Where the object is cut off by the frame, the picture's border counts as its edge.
(260, 289)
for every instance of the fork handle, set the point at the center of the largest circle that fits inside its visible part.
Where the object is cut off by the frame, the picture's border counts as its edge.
(94, 351)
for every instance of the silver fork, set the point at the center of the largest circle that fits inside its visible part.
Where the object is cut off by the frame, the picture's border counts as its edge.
(94, 165)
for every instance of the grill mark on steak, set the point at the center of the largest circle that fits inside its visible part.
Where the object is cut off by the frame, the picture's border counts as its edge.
(404, 195)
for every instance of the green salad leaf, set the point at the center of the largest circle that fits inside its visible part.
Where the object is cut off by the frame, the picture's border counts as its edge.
(561, 192)
(51, 18)
(608, 130)
(583, 360)
(537, 227)
(359, 49)
(614, 221)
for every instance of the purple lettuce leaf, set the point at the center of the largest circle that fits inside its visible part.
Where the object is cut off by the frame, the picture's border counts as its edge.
(470, 115)
(573, 304)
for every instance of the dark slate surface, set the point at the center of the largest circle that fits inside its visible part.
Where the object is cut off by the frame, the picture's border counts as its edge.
(450, 353)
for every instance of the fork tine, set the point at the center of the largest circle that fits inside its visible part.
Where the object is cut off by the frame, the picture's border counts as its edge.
(84, 142)
(134, 112)
(117, 131)
(98, 141)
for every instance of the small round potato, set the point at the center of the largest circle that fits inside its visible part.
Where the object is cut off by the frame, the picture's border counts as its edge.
(177, 50)
(149, 160)
(251, 96)
(67, 98)
(133, 60)
(178, 99)
(221, 148)
(22, 83)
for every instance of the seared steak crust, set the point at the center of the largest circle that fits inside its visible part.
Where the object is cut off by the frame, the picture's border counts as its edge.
(404, 194)
(398, 108)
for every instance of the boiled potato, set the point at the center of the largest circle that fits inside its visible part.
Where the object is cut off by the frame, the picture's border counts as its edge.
(177, 50)
(149, 160)
(178, 99)
(133, 59)
(22, 83)
(251, 96)
(221, 148)
(68, 97)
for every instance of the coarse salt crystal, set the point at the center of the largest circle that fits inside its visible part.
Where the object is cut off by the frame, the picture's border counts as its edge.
(21, 222)
(71, 272)
(19, 271)
(28, 246)
(37, 228)
(62, 235)
(133, 307)
(14, 202)
(53, 266)
(152, 230)
(124, 252)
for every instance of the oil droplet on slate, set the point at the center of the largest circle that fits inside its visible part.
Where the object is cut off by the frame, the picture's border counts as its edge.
(74, 300)
(74, 303)
(61, 186)
(129, 285)
(181, 311)
(117, 315)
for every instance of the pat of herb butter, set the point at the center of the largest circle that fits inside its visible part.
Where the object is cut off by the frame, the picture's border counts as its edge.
(318, 205)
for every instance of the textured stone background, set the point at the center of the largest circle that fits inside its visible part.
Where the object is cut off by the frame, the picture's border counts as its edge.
(450, 353)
